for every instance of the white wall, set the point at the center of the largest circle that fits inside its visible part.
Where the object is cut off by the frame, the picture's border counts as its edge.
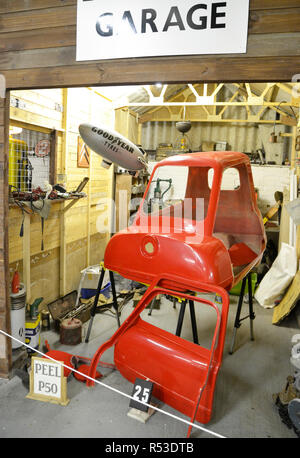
(267, 179)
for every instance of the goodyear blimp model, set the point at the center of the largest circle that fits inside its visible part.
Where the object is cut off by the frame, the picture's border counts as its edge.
(113, 147)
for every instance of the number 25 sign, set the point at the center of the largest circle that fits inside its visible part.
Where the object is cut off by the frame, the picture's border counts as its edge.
(142, 392)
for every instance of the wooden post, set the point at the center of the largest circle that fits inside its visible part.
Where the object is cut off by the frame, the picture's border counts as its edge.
(26, 257)
(5, 325)
(53, 157)
(64, 162)
(139, 134)
(89, 174)
(294, 152)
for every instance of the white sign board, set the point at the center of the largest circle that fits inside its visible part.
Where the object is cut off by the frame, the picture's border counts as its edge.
(135, 28)
(47, 381)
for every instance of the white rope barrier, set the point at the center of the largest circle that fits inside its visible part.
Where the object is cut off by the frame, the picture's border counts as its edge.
(116, 390)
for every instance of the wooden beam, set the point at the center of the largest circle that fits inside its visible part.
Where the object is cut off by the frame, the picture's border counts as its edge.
(285, 88)
(281, 20)
(37, 19)
(64, 165)
(266, 90)
(53, 157)
(41, 52)
(294, 152)
(88, 204)
(8, 6)
(26, 257)
(254, 120)
(272, 105)
(259, 45)
(226, 106)
(5, 324)
(150, 70)
(272, 4)
(19, 5)
(248, 89)
(217, 89)
(261, 20)
(218, 104)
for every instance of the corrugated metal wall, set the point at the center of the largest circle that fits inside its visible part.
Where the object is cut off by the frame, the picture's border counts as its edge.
(244, 138)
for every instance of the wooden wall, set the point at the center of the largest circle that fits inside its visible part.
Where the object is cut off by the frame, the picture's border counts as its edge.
(71, 241)
(38, 38)
(74, 237)
(37, 50)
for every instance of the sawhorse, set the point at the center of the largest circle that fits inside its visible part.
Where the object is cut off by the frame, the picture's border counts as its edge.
(238, 319)
(193, 320)
(95, 309)
(181, 317)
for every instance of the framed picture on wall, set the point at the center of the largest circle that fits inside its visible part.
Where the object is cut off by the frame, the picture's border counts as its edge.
(83, 154)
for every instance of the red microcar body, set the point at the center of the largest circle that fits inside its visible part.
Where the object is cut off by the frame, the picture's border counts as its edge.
(199, 238)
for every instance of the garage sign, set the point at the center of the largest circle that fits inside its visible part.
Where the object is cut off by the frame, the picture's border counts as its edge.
(122, 29)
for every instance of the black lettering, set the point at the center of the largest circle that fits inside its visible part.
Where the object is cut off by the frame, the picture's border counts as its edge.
(215, 15)
(104, 25)
(202, 19)
(174, 11)
(146, 19)
(128, 17)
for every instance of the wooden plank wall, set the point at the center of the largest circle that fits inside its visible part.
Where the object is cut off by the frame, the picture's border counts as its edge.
(83, 241)
(38, 38)
(87, 224)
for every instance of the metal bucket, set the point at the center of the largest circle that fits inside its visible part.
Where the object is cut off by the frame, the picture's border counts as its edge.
(17, 316)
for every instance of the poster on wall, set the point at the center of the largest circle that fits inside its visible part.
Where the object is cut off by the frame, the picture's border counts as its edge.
(83, 154)
(118, 29)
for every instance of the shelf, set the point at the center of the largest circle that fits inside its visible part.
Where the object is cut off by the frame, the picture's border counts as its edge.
(12, 203)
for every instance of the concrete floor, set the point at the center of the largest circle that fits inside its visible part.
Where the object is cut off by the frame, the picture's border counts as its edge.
(243, 405)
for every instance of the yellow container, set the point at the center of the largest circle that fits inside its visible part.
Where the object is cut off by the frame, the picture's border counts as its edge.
(18, 161)
(32, 333)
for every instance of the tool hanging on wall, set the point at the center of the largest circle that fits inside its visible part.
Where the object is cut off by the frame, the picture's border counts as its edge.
(24, 210)
(42, 207)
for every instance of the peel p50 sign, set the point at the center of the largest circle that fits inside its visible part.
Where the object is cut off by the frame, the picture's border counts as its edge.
(146, 28)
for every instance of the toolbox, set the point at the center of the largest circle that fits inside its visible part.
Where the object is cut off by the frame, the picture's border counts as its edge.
(64, 308)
